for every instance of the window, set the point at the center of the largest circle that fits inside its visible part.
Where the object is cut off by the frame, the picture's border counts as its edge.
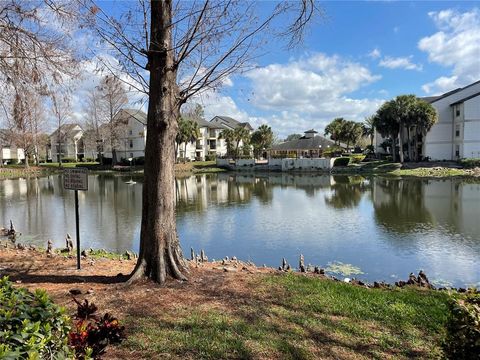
(131, 143)
(457, 130)
(457, 110)
(131, 155)
(457, 150)
(130, 132)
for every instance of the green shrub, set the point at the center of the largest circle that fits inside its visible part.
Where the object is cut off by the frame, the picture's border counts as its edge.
(463, 330)
(31, 325)
(210, 157)
(341, 161)
(88, 159)
(357, 158)
(68, 160)
(470, 163)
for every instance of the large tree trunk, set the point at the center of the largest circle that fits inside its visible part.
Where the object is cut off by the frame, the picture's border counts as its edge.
(409, 144)
(160, 253)
(394, 152)
(400, 140)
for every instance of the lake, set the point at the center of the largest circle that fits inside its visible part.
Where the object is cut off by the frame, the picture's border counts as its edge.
(378, 228)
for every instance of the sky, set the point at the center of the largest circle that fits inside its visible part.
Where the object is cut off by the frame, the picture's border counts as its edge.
(355, 57)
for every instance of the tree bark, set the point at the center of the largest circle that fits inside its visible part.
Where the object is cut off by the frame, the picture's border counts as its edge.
(409, 144)
(160, 253)
(394, 152)
(400, 140)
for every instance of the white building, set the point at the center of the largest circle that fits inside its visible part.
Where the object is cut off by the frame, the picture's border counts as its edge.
(210, 141)
(9, 153)
(456, 134)
(131, 134)
(67, 142)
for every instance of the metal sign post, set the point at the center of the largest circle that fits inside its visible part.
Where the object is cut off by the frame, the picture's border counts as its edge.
(76, 179)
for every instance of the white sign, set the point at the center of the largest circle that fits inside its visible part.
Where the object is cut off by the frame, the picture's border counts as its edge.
(75, 179)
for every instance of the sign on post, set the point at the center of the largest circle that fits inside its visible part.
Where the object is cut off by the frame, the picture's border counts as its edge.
(76, 179)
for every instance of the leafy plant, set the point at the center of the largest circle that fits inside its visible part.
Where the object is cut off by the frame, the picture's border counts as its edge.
(356, 159)
(31, 325)
(92, 334)
(342, 161)
(463, 338)
(470, 163)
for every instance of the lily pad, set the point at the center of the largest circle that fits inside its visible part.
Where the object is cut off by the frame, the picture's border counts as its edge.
(442, 283)
(338, 267)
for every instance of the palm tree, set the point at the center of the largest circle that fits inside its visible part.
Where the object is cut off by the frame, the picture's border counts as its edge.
(335, 129)
(181, 134)
(425, 116)
(368, 129)
(240, 134)
(262, 138)
(385, 121)
(228, 136)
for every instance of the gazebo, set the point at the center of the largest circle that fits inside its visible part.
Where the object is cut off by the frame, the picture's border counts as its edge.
(308, 146)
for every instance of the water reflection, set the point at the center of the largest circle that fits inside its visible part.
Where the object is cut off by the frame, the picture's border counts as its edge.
(385, 226)
(400, 205)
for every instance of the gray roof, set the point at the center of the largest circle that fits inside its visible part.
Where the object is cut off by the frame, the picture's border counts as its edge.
(231, 123)
(137, 114)
(66, 129)
(429, 99)
(465, 99)
(207, 124)
(454, 91)
(304, 143)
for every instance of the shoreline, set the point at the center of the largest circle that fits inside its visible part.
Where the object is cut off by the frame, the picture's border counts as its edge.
(233, 264)
(376, 168)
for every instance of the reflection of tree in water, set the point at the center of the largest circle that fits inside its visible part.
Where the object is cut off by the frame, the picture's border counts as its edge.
(400, 204)
(347, 192)
(196, 192)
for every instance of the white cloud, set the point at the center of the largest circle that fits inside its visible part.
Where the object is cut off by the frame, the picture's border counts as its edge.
(311, 92)
(214, 103)
(400, 63)
(375, 53)
(456, 45)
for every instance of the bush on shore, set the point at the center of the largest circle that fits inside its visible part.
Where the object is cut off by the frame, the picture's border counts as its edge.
(470, 163)
(463, 339)
(31, 325)
(342, 161)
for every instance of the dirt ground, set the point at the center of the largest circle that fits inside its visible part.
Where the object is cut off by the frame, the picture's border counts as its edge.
(101, 281)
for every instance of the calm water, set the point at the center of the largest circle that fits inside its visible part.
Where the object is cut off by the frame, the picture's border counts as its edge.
(385, 227)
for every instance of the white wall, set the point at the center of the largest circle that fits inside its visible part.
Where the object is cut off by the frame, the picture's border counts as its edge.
(471, 128)
(307, 164)
(440, 140)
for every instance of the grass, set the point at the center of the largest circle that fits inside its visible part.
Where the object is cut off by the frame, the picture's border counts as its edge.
(13, 171)
(296, 317)
(422, 172)
(66, 165)
(198, 167)
(388, 168)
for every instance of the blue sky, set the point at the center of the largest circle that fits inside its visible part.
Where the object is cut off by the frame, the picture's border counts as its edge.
(355, 57)
(370, 50)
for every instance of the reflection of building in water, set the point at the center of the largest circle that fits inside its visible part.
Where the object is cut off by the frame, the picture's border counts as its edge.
(403, 205)
(197, 192)
(454, 201)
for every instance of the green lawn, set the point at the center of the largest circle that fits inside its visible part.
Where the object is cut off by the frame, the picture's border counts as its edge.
(296, 317)
(66, 165)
